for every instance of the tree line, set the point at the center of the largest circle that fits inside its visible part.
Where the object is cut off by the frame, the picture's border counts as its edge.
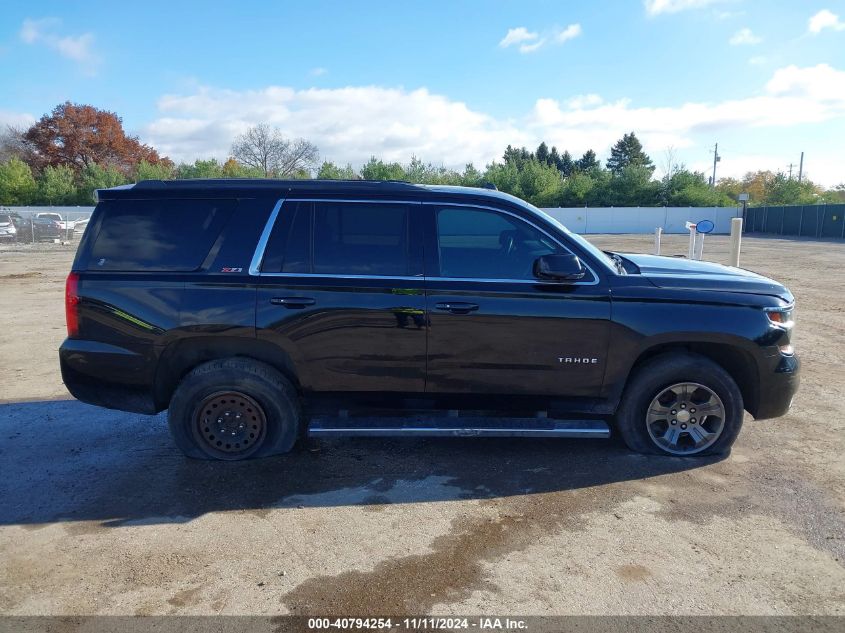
(75, 149)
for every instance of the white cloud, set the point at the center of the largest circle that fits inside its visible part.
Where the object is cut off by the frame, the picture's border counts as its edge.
(570, 32)
(656, 7)
(822, 84)
(15, 120)
(744, 36)
(518, 35)
(318, 71)
(530, 41)
(530, 48)
(347, 124)
(758, 60)
(822, 167)
(825, 19)
(351, 124)
(78, 48)
(579, 102)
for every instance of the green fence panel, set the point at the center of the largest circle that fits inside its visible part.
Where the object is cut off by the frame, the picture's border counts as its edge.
(810, 220)
(791, 220)
(748, 222)
(774, 219)
(833, 221)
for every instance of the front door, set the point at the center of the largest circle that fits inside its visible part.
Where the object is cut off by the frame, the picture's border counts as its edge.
(341, 291)
(495, 328)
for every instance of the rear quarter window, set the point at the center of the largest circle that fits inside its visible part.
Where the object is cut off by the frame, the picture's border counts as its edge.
(157, 235)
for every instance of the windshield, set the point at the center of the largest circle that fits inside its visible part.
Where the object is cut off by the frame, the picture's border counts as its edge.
(600, 256)
(5, 219)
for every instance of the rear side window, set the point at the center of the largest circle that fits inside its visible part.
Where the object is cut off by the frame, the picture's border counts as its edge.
(157, 235)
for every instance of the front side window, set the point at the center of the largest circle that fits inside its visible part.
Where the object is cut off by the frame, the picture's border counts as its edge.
(360, 239)
(482, 244)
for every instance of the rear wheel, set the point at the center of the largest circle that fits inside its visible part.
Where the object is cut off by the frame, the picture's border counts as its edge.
(680, 404)
(232, 409)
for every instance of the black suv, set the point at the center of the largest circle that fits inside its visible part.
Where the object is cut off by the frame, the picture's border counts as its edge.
(259, 311)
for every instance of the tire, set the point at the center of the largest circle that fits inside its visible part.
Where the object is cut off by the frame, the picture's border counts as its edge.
(233, 409)
(673, 377)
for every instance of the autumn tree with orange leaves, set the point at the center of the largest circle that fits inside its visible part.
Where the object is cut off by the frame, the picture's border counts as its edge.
(81, 136)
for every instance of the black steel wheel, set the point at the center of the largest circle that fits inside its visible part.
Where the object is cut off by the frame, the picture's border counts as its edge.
(232, 409)
(230, 422)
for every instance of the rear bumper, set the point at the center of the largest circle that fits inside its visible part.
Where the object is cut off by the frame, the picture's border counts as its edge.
(108, 376)
(778, 388)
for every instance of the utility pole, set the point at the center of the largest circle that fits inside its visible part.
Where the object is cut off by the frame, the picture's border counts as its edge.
(790, 171)
(801, 167)
(716, 159)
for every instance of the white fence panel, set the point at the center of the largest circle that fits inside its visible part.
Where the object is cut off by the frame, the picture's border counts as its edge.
(641, 219)
(576, 219)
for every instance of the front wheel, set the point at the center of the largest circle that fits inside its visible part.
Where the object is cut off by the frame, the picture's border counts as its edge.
(680, 404)
(232, 409)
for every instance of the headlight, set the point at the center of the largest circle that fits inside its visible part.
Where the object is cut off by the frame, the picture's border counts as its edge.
(781, 317)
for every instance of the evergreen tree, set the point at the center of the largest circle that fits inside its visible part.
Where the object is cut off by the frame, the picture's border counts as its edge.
(554, 158)
(511, 154)
(628, 151)
(566, 165)
(542, 154)
(587, 162)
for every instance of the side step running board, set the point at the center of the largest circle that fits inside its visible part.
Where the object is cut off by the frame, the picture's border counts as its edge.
(448, 427)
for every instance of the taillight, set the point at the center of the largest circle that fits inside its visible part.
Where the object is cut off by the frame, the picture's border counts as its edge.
(72, 304)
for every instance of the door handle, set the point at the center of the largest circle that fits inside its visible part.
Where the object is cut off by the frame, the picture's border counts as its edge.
(456, 307)
(293, 302)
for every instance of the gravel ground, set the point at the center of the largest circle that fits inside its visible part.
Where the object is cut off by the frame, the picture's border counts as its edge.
(100, 514)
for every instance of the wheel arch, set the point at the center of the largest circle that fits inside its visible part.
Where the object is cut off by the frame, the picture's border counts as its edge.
(734, 359)
(181, 356)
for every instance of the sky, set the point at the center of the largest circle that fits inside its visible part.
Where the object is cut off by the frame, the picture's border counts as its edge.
(448, 82)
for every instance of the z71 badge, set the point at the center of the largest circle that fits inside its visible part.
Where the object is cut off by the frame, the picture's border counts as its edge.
(231, 270)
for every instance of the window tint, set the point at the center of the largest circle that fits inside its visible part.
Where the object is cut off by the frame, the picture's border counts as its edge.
(289, 244)
(360, 239)
(487, 245)
(167, 235)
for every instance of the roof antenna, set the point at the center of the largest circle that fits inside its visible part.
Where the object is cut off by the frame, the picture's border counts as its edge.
(489, 185)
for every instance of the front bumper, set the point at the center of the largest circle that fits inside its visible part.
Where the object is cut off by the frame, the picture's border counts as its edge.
(778, 388)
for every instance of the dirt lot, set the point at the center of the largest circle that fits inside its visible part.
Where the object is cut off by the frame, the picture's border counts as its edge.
(99, 513)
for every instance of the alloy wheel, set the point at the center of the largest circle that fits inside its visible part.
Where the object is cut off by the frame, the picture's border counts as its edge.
(685, 418)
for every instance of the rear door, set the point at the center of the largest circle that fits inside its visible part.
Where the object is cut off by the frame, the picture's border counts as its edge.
(341, 290)
(495, 328)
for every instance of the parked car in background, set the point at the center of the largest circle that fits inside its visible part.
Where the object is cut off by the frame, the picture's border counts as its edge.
(43, 228)
(64, 225)
(8, 230)
(80, 225)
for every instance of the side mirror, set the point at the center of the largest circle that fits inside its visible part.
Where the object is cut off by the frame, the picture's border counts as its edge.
(559, 268)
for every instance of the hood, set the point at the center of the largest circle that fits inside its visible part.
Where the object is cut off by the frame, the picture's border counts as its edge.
(679, 272)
